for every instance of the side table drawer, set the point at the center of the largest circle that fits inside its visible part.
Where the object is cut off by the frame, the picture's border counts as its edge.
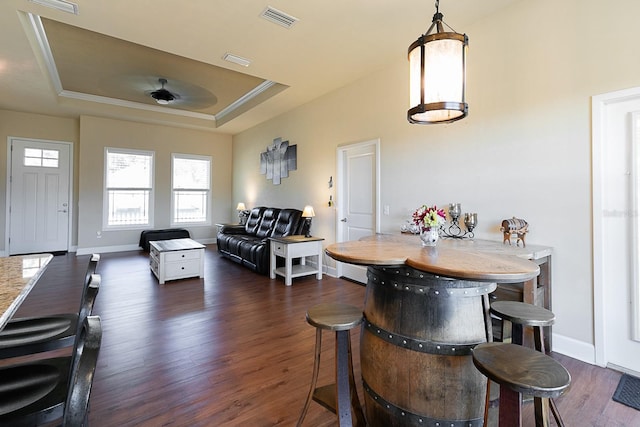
(181, 255)
(187, 268)
(279, 249)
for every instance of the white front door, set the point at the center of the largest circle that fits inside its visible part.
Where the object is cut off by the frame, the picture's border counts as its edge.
(39, 194)
(357, 199)
(616, 198)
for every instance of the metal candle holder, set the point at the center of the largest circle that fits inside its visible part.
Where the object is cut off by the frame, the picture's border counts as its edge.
(454, 230)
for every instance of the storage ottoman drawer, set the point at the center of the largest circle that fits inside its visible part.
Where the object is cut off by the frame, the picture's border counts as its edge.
(187, 268)
(182, 255)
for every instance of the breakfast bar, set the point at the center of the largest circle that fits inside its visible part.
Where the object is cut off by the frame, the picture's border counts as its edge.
(425, 308)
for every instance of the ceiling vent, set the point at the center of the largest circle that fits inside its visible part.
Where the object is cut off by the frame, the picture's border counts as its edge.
(278, 17)
(236, 59)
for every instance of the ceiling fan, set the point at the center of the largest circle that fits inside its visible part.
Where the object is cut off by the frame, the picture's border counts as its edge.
(162, 95)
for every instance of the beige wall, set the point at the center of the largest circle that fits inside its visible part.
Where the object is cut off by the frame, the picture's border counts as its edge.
(523, 151)
(98, 133)
(35, 126)
(90, 135)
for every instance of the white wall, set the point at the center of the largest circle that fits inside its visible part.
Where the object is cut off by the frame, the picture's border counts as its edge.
(523, 151)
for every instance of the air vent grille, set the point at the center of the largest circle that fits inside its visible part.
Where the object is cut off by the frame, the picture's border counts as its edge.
(278, 17)
(236, 59)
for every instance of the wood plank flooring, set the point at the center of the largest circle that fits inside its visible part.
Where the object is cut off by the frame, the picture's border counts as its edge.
(233, 349)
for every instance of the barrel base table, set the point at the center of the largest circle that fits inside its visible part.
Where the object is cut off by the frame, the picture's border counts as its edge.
(416, 348)
(425, 309)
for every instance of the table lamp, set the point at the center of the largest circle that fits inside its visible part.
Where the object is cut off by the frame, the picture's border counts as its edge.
(242, 213)
(307, 214)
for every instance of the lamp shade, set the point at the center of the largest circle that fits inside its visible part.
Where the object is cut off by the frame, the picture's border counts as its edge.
(437, 76)
(241, 207)
(308, 212)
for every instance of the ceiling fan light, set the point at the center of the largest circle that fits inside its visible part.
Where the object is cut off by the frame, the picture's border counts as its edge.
(162, 95)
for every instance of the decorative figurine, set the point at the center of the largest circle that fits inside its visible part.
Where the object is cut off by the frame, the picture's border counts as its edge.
(514, 226)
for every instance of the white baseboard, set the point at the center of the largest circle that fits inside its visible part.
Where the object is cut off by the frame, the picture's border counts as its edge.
(107, 249)
(571, 347)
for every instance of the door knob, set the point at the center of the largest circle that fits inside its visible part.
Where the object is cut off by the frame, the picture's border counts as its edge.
(344, 220)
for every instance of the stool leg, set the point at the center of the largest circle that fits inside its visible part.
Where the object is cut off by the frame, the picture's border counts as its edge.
(538, 336)
(314, 377)
(556, 413)
(343, 398)
(355, 401)
(510, 412)
(487, 401)
(488, 324)
(541, 406)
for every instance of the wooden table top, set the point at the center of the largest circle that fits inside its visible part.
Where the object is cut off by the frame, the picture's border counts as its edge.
(18, 275)
(296, 238)
(455, 258)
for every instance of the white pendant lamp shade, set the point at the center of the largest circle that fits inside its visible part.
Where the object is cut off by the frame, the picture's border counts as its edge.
(437, 76)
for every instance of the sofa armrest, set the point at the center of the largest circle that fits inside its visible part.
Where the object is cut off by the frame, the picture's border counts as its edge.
(232, 229)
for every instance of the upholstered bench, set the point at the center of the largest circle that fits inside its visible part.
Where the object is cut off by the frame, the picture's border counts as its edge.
(167, 234)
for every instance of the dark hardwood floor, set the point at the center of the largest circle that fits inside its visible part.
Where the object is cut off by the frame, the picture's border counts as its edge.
(233, 349)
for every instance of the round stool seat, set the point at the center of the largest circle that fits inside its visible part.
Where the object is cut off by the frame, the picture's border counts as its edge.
(521, 369)
(334, 316)
(522, 313)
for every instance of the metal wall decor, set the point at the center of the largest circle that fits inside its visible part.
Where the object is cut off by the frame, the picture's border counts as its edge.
(278, 160)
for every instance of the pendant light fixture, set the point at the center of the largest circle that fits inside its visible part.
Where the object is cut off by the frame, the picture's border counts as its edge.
(437, 74)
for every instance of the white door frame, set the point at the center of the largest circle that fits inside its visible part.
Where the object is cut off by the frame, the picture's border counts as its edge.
(600, 132)
(7, 226)
(340, 196)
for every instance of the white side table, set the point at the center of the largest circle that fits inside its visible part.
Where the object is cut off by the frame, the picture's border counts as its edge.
(291, 247)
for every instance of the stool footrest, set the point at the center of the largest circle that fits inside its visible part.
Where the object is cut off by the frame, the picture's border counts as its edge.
(326, 396)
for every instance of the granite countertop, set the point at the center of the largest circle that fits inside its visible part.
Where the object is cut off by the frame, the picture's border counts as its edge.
(18, 275)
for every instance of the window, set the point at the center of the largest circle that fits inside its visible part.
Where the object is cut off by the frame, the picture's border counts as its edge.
(128, 194)
(191, 185)
(40, 157)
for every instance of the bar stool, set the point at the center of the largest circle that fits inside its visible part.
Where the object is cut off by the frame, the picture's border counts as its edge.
(519, 370)
(515, 317)
(341, 398)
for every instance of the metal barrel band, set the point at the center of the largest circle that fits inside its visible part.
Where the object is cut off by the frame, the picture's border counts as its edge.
(457, 288)
(413, 419)
(422, 346)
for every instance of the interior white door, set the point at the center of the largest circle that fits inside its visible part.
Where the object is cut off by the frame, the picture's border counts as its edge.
(357, 199)
(616, 158)
(39, 196)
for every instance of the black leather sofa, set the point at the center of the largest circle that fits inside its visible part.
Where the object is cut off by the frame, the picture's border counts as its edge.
(249, 244)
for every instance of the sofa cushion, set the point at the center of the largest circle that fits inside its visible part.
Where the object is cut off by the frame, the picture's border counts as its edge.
(253, 221)
(269, 217)
(287, 224)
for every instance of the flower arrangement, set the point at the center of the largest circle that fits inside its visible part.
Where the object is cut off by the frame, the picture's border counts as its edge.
(428, 217)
